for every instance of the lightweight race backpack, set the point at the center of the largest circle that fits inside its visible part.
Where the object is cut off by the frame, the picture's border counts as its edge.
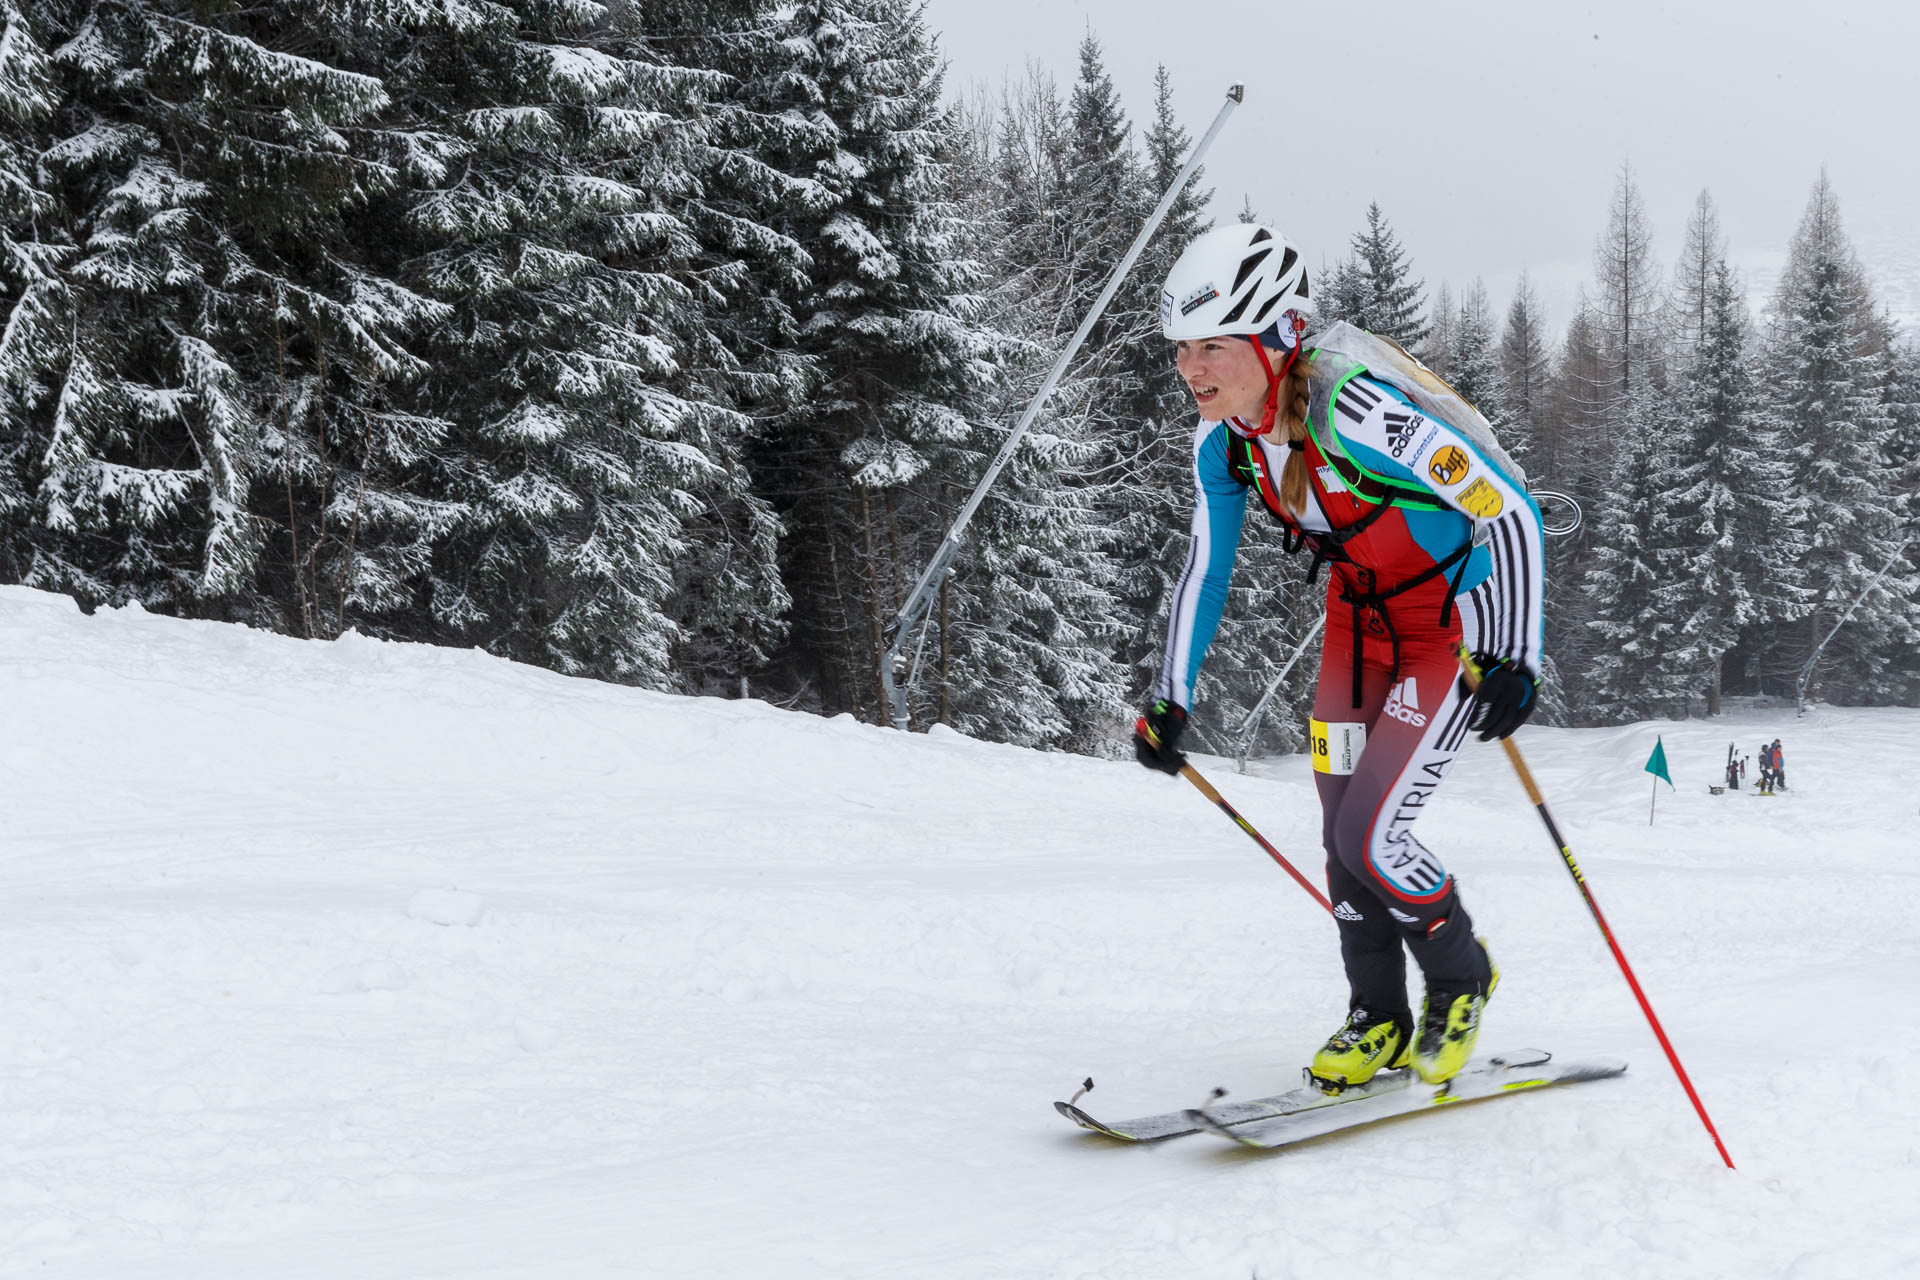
(1343, 351)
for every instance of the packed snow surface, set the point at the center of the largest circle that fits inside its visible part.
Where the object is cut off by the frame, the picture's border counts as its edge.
(371, 960)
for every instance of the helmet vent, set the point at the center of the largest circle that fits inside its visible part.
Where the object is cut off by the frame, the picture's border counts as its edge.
(1246, 267)
(1287, 260)
(1303, 285)
(1258, 236)
(1240, 307)
(1261, 314)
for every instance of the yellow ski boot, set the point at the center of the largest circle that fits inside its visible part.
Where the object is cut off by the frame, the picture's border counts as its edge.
(1449, 1025)
(1359, 1050)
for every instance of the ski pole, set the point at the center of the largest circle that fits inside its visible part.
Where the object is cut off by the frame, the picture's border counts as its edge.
(1573, 868)
(1192, 775)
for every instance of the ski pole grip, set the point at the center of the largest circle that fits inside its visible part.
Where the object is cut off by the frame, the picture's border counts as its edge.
(1469, 668)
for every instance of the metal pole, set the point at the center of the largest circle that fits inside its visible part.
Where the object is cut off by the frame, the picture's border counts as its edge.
(892, 663)
(1248, 725)
(1806, 672)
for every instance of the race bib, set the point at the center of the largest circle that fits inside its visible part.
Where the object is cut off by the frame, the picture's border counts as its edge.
(1336, 747)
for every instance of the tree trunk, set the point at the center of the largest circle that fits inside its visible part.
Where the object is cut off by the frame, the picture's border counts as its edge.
(876, 647)
(893, 545)
(286, 466)
(849, 681)
(326, 466)
(1713, 688)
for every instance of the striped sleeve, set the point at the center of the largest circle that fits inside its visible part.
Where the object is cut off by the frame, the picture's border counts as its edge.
(1506, 521)
(1511, 597)
(1391, 436)
(1219, 509)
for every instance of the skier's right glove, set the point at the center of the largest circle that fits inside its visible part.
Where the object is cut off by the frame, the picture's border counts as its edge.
(1156, 736)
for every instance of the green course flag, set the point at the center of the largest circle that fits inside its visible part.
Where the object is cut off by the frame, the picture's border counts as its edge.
(1657, 762)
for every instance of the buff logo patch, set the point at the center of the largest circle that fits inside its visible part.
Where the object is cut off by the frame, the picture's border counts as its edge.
(1482, 499)
(1449, 466)
(1198, 298)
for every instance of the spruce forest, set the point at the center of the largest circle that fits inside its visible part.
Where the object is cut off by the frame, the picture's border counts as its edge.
(660, 343)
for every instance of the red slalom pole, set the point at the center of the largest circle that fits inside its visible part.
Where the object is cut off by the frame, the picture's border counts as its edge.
(1580, 881)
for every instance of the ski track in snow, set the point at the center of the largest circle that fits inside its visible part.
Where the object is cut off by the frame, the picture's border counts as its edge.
(374, 960)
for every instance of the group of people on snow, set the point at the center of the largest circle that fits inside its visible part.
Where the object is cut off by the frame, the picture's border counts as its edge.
(1773, 769)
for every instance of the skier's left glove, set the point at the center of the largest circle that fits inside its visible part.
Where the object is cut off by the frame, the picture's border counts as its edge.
(1509, 691)
(1156, 736)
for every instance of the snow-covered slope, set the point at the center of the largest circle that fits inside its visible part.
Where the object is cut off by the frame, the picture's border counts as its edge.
(366, 960)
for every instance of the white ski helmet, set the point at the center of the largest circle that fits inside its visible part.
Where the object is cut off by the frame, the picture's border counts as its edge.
(1238, 279)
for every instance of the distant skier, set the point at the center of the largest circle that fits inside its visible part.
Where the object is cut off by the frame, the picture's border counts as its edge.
(1430, 545)
(1766, 770)
(1779, 762)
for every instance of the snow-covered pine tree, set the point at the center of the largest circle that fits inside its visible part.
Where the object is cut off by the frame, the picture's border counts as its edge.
(1473, 357)
(1393, 299)
(1035, 631)
(1570, 446)
(1108, 206)
(594, 450)
(1741, 531)
(1573, 443)
(1436, 350)
(1827, 370)
(1341, 292)
(32, 248)
(1525, 363)
(207, 170)
(1903, 409)
(1688, 298)
(892, 322)
(1637, 583)
(1629, 280)
(748, 161)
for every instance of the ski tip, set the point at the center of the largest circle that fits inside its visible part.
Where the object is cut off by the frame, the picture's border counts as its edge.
(1089, 1124)
(1075, 1114)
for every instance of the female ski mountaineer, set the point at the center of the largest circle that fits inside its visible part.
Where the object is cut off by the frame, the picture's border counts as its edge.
(1428, 545)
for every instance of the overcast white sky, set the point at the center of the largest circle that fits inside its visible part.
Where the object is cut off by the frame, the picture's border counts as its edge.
(1491, 131)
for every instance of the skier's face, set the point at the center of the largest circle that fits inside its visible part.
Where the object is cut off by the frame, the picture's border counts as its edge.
(1224, 375)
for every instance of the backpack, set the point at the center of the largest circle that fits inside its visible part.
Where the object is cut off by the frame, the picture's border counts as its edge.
(1342, 351)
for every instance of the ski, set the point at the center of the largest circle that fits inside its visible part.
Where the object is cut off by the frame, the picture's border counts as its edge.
(1222, 1116)
(1484, 1078)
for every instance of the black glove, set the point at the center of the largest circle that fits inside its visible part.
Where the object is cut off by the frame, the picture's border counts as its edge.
(1507, 696)
(1156, 736)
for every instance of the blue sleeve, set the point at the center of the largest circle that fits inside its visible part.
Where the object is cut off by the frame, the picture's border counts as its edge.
(1219, 510)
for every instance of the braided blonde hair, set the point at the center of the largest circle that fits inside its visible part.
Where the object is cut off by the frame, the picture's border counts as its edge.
(1293, 417)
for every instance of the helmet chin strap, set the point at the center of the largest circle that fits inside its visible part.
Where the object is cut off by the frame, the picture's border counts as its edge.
(1274, 380)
